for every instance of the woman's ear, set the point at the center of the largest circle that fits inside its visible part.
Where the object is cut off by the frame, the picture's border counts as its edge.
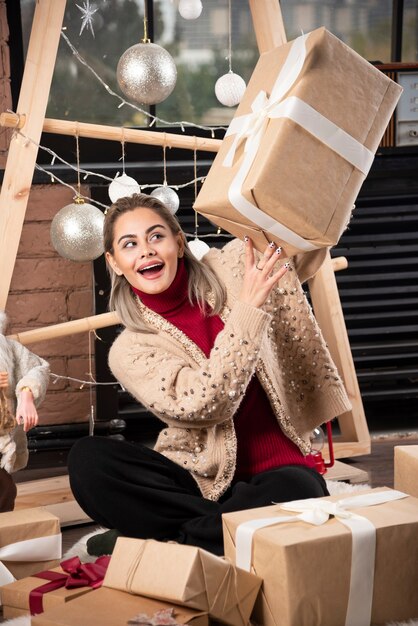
(181, 245)
(112, 263)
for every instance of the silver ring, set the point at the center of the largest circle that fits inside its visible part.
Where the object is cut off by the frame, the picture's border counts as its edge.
(260, 269)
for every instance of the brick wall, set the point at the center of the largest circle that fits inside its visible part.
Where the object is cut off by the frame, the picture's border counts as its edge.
(5, 92)
(47, 289)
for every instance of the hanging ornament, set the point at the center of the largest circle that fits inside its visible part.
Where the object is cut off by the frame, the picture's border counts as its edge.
(122, 186)
(190, 9)
(146, 72)
(77, 231)
(87, 11)
(167, 196)
(230, 87)
(198, 248)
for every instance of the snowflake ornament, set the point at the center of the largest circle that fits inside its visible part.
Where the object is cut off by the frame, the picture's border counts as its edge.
(88, 11)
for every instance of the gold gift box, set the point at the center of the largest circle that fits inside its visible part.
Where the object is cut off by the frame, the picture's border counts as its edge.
(15, 596)
(296, 179)
(185, 575)
(406, 469)
(306, 569)
(24, 525)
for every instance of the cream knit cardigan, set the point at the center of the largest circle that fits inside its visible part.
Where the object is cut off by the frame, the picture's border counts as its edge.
(24, 369)
(197, 397)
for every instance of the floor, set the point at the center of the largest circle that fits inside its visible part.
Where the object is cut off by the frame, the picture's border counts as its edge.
(379, 466)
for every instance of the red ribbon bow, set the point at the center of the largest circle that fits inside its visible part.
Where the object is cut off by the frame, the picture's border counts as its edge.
(76, 574)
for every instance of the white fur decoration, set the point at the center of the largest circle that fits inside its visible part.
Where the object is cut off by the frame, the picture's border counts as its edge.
(3, 322)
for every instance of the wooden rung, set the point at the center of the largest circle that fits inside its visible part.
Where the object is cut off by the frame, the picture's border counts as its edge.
(115, 133)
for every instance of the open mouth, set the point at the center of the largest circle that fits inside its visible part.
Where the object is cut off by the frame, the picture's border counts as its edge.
(151, 270)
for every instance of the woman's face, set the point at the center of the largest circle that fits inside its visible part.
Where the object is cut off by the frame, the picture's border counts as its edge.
(145, 250)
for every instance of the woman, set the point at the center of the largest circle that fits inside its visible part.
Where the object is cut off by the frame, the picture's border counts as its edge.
(24, 379)
(227, 354)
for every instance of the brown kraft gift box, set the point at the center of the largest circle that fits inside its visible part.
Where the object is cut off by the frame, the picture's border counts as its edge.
(306, 569)
(15, 596)
(108, 607)
(295, 178)
(25, 525)
(406, 469)
(185, 575)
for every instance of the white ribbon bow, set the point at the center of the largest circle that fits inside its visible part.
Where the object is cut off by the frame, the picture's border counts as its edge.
(317, 512)
(251, 128)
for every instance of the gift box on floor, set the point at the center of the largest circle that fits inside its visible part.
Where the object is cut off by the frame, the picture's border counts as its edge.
(30, 540)
(300, 145)
(334, 562)
(109, 607)
(185, 575)
(406, 469)
(48, 588)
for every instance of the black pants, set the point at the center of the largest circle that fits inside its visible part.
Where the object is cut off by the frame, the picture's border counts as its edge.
(142, 494)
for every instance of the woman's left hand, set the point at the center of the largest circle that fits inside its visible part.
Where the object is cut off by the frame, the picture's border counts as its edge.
(26, 412)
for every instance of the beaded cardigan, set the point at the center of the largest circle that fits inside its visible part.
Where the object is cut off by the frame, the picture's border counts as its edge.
(196, 397)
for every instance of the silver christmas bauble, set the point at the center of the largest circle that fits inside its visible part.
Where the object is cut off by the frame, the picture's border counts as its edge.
(77, 232)
(168, 197)
(229, 89)
(198, 248)
(122, 186)
(190, 9)
(146, 73)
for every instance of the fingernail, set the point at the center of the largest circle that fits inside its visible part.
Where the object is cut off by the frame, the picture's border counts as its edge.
(287, 265)
(272, 244)
(245, 238)
(279, 250)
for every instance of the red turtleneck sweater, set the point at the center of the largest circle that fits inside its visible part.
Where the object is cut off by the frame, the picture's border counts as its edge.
(261, 444)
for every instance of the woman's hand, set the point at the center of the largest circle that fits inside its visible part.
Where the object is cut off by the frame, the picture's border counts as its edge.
(4, 380)
(259, 278)
(26, 412)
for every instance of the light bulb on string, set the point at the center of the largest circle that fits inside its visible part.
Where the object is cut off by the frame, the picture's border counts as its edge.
(77, 229)
(146, 72)
(190, 9)
(197, 246)
(230, 87)
(166, 194)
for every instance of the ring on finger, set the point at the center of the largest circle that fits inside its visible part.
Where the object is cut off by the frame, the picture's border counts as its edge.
(260, 269)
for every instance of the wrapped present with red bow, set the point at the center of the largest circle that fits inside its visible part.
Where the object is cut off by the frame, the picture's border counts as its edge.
(49, 588)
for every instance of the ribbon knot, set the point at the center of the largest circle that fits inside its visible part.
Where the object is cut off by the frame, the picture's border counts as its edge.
(75, 574)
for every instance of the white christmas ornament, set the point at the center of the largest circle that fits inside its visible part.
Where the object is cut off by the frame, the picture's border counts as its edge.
(146, 73)
(122, 186)
(229, 89)
(190, 9)
(168, 197)
(198, 248)
(77, 231)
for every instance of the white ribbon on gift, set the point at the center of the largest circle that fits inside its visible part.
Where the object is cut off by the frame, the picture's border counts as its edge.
(251, 128)
(37, 549)
(317, 512)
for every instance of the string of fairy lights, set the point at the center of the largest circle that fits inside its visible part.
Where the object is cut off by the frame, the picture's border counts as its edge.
(228, 89)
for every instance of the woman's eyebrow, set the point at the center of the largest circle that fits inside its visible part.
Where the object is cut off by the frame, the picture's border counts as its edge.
(147, 232)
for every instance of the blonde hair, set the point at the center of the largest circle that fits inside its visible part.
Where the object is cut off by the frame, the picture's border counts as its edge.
(202, 280)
